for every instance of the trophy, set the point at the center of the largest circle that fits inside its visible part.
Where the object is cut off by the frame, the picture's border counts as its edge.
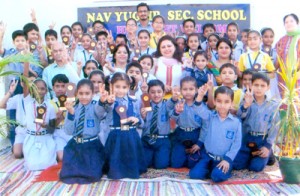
(90, 30)
(137, 53)
(79, 38)
(50, 58)
(41, 110)
(32, 46)
(122, 111)
(62, 99)
(112, 48)
(145, 76)
(71, 88)
(257, 67)
(92, 46)
(65, 40)
(146, 102)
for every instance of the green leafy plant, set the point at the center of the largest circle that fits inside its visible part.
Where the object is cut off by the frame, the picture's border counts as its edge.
(289, 132)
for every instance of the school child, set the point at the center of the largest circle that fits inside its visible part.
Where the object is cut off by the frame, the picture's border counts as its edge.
(84, 154)
(121, 39)
(220, 140)
(143, 40)
(158, 23)
(156, 130)
(247, 79)
(267, 42)
(84, 55)
(211, 49)
(207, 29)
(244, 38)
(200, 71)
(97, 77)
(89, 66)
(39, 147)
(134, 70)
(147, 62)
(261, 126)
(232, 31)
(188, 27)
(181, 42)
(193, 45)
(124, 150)
(228, 73)
(258, 61)
(50, 38)
(77, 30)
(188, 126)
(31, 31)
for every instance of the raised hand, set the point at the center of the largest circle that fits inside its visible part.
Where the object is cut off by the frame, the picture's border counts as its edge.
(13, 86)
(179, 107)
(2, 28)
(111, 97)
(248, 98)
(52, 25)
(110, 38)
(176, 93)
(69, 107)
(210, 81)
(33, 16)
(188, 62)
(202, 92)
(103, 93)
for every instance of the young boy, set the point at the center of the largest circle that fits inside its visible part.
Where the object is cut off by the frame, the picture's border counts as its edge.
(220, 140)
(50, 38)
(188, 27)
(247, 79)
(244, 38)
(155, 136)
(31, 31)
(232, 31)
(135, 70)
(258, 114)
(207, 29)
(121, 39)
(59, 86)
(228, 73)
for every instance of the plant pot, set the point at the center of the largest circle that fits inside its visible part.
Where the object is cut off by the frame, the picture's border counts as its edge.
(290, 170)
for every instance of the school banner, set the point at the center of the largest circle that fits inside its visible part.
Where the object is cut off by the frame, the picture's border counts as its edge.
(218, 14)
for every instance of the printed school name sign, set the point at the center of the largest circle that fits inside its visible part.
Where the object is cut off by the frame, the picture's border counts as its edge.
(218, 14)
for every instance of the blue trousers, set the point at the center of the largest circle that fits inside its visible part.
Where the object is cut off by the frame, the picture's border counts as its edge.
(206, 167)
(157, 155)
(245, 160)
(179, 157)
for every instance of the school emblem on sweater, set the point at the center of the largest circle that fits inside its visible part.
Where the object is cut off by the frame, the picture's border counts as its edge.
(229, 134)
(90, 123)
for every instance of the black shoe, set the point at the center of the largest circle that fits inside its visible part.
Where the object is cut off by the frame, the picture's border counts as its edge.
(272, 159)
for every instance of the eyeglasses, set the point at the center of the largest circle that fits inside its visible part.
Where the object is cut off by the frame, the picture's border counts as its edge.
(131, 25)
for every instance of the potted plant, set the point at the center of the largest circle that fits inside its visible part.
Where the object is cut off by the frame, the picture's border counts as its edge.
(288, 138)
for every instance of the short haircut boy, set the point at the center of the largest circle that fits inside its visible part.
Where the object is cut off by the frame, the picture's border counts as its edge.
(29, 27)
(134, 64)
(123, 36)
(60, 78)
(97, 22)
(77, 24)
(208, 25)
(247, 72)
(224, 90)
(261, 76)
(189, 20)
(228, 65)
(18, 33)
(100, 33)
(156, 82)
(188, 79)
(232, 24)
(51, 32)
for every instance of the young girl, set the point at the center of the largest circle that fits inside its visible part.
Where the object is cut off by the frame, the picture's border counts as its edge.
(84, 55)
(212, 47)
(146, 62)
(200, 71)
(97, 77)
(267, 41)
(84, 154)
(220, 141)
(224, 50)
(244, 38)
(181, 42)
(258, 61)
(144, 39)
(131, 31)
(188, 126)
(89, 66)
(124, 150)
(193, 44)
(158, 23)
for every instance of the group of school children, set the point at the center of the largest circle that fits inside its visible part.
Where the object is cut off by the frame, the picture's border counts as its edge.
(218, 119)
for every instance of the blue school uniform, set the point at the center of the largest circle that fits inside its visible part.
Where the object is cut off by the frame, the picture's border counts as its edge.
(123, 147)
(201, 76)
(156, 143)
(185, 136)
(238, 50)
(84, 154)
(261, 128)
(220, 139)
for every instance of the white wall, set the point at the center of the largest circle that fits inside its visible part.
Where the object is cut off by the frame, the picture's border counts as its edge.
(17, 12)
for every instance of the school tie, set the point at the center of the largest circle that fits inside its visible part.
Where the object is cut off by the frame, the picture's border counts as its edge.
(199, 74)
(153, 125)
(80, 125)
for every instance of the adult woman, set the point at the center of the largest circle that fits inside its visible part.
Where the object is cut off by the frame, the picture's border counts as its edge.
(288, 47)
(120, 59)
(224, 51)
(169, 63)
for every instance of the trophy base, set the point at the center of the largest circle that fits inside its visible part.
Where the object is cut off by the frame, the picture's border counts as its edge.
(148, 109)
(124, 121)
(62, 108)
(39, 121)
(72, 99)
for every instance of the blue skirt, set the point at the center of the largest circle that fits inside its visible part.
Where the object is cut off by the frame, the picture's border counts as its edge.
(82, 163)
(125, 154)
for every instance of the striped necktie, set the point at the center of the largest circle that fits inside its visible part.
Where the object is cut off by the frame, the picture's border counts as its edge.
(80, 124)
(153, 125)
